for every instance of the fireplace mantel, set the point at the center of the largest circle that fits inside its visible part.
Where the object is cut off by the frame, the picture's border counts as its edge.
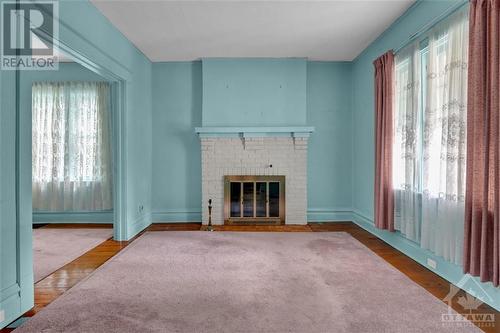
(252, 132)
(254, 151)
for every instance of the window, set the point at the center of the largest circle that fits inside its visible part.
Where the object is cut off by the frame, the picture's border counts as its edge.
(71, 153)
(430, 137)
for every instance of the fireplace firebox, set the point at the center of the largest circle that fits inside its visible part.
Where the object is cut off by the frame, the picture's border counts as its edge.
(254, 200)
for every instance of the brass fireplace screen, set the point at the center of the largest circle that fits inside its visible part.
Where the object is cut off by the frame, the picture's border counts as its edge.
(254, 199)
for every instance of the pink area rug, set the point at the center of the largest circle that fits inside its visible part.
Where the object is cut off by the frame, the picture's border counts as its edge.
(244, 282)
(53, 248)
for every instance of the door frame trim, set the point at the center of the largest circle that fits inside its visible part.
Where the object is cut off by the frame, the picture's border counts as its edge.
(118, 77)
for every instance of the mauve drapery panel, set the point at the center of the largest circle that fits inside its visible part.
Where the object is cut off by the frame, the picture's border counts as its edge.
(482, 203)
(384, 194)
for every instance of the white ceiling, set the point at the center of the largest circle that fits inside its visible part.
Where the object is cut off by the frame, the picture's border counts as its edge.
(188, 30)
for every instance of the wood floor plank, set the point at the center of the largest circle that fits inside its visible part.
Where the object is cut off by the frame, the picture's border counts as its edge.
(174, 227)
(261, 228)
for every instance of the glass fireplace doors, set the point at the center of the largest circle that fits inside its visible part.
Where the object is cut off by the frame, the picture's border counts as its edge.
(254, 199)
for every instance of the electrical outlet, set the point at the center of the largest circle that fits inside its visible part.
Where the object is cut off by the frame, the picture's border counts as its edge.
(141, 208)
(2, 315)
(431, 263)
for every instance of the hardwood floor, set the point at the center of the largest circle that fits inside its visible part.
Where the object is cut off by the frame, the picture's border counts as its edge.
(57, 283)
(261, 228)
(53, 286)
(174, 227)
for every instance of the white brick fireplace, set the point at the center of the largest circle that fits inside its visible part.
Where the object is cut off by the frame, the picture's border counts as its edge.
(254, 152)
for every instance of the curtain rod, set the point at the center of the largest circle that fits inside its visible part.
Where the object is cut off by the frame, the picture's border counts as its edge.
(431, 24)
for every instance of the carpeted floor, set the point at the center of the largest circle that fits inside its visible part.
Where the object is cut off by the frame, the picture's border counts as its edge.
(53, 248)
(244, 282)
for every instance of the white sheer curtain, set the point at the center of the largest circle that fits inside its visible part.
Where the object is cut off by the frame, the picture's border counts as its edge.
(406, 161)
(430, 138)
(71, 151)
(444, 149)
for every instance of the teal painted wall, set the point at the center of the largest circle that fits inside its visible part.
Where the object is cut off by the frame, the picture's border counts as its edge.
(418, 16)
(329, 176)
(339, 103)
(176, 148)
(253, 92)
(163, 107)
(66, 72)
(84, 29)
(177, 110)
(87, 32)
(16, 270)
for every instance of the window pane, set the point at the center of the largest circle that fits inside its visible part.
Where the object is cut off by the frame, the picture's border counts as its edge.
(274, 199)
(261, 194)
(235, 189)
(248, 199)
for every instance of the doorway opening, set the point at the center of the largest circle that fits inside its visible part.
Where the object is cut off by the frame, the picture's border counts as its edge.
(72, 162)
